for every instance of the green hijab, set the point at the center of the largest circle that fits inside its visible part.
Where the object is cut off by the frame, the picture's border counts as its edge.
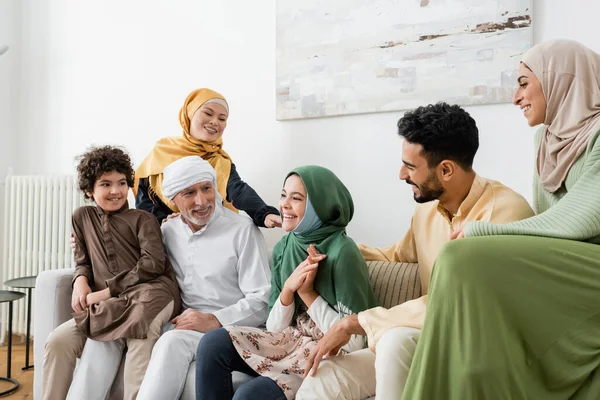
(342, 278)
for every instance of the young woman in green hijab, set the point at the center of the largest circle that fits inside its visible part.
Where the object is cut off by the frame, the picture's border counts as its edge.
(319, 276)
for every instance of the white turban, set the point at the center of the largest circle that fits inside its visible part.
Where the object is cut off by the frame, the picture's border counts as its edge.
(186, 172)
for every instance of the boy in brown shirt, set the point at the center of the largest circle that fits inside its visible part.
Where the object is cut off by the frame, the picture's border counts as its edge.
(124, 288)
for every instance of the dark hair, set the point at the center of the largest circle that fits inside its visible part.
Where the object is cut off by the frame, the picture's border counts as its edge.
(446, 132)
(98, 161)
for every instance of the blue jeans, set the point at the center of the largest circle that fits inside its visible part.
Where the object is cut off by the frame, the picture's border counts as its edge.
(216, 358)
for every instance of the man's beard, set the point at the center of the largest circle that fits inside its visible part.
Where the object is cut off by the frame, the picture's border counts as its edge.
(197, 221)
(430, 190)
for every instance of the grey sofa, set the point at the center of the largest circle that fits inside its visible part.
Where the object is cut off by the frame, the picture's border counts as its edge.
(393, 283)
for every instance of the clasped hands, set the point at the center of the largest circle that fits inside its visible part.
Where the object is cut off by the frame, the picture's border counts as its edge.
(83, 297)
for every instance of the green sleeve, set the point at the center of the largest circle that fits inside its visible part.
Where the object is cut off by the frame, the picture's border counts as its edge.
(576, 216)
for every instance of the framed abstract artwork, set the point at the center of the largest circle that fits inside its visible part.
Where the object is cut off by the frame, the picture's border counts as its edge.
(363, 56)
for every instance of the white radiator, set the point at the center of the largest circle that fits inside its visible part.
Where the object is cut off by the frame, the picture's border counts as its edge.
(37, 226)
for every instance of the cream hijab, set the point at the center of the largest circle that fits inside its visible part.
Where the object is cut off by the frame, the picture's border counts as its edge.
(570, 77)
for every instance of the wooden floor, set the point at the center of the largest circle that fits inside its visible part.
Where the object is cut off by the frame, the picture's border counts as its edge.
(25, 378)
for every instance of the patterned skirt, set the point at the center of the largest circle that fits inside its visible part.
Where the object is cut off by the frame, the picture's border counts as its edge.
(281, 356)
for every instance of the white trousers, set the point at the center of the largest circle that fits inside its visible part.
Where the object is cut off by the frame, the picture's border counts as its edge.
(100, 361)
(98, 366)
(165, 376)
(168, 369)
(362, 374)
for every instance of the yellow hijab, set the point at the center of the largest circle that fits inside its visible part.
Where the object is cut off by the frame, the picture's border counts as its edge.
(170, 149)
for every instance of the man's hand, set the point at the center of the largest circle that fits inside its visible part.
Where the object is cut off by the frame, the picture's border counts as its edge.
(196, 321)
(272, 221)
(331, 343)
(457, 234)
(81, 289)
(97, 297)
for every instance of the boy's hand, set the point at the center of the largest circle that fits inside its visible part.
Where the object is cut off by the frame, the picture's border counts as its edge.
(170, 216)
(97, 297)
(81, 289)
(196, 321)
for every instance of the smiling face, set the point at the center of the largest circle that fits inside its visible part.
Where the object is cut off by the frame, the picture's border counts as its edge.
(416, 172)
(209, 122)
(292, 205)
(110, 191)
(529, 96)
(196, 204)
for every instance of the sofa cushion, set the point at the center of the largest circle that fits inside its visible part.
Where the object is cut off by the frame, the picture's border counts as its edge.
(394, 282)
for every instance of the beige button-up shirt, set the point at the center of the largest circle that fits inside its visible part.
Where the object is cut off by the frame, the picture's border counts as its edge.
(430, 229)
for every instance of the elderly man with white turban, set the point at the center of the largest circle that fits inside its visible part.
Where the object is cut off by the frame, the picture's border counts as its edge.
(221, 264)
(222, 268)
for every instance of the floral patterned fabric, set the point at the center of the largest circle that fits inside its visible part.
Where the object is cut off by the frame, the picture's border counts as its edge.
(281, 356)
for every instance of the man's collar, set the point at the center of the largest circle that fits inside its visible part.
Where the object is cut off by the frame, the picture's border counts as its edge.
(477, 188)
(187, 224)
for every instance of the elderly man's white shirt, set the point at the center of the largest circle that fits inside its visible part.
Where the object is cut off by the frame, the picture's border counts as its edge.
(222, 269)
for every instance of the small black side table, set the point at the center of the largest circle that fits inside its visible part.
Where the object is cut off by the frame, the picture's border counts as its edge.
(27, 282)
(8, 296)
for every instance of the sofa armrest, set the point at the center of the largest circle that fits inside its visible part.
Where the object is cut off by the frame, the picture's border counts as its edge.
(52, 308)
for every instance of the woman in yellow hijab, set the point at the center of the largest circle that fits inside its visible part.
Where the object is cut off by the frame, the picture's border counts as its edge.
(203, 118)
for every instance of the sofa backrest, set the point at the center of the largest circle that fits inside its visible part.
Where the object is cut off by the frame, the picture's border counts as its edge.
(394, 282)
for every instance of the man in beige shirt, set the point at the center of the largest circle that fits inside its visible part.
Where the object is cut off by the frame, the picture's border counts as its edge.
(440, 142)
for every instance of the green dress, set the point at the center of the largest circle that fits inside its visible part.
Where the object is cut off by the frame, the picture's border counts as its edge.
(514, 309)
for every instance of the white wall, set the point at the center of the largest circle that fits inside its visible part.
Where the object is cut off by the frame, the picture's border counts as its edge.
(116, 72)
(9, 80)
(9, 95)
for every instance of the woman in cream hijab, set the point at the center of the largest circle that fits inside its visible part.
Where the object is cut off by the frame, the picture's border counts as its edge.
(203, 118)
(514, 309)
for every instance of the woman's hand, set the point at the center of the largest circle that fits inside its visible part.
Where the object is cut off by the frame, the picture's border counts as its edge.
(81, 289)
(97, 297)
(272, 221)
(313, 257)
(297, 278)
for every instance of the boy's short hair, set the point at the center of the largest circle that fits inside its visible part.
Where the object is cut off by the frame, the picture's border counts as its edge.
(99, 160)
